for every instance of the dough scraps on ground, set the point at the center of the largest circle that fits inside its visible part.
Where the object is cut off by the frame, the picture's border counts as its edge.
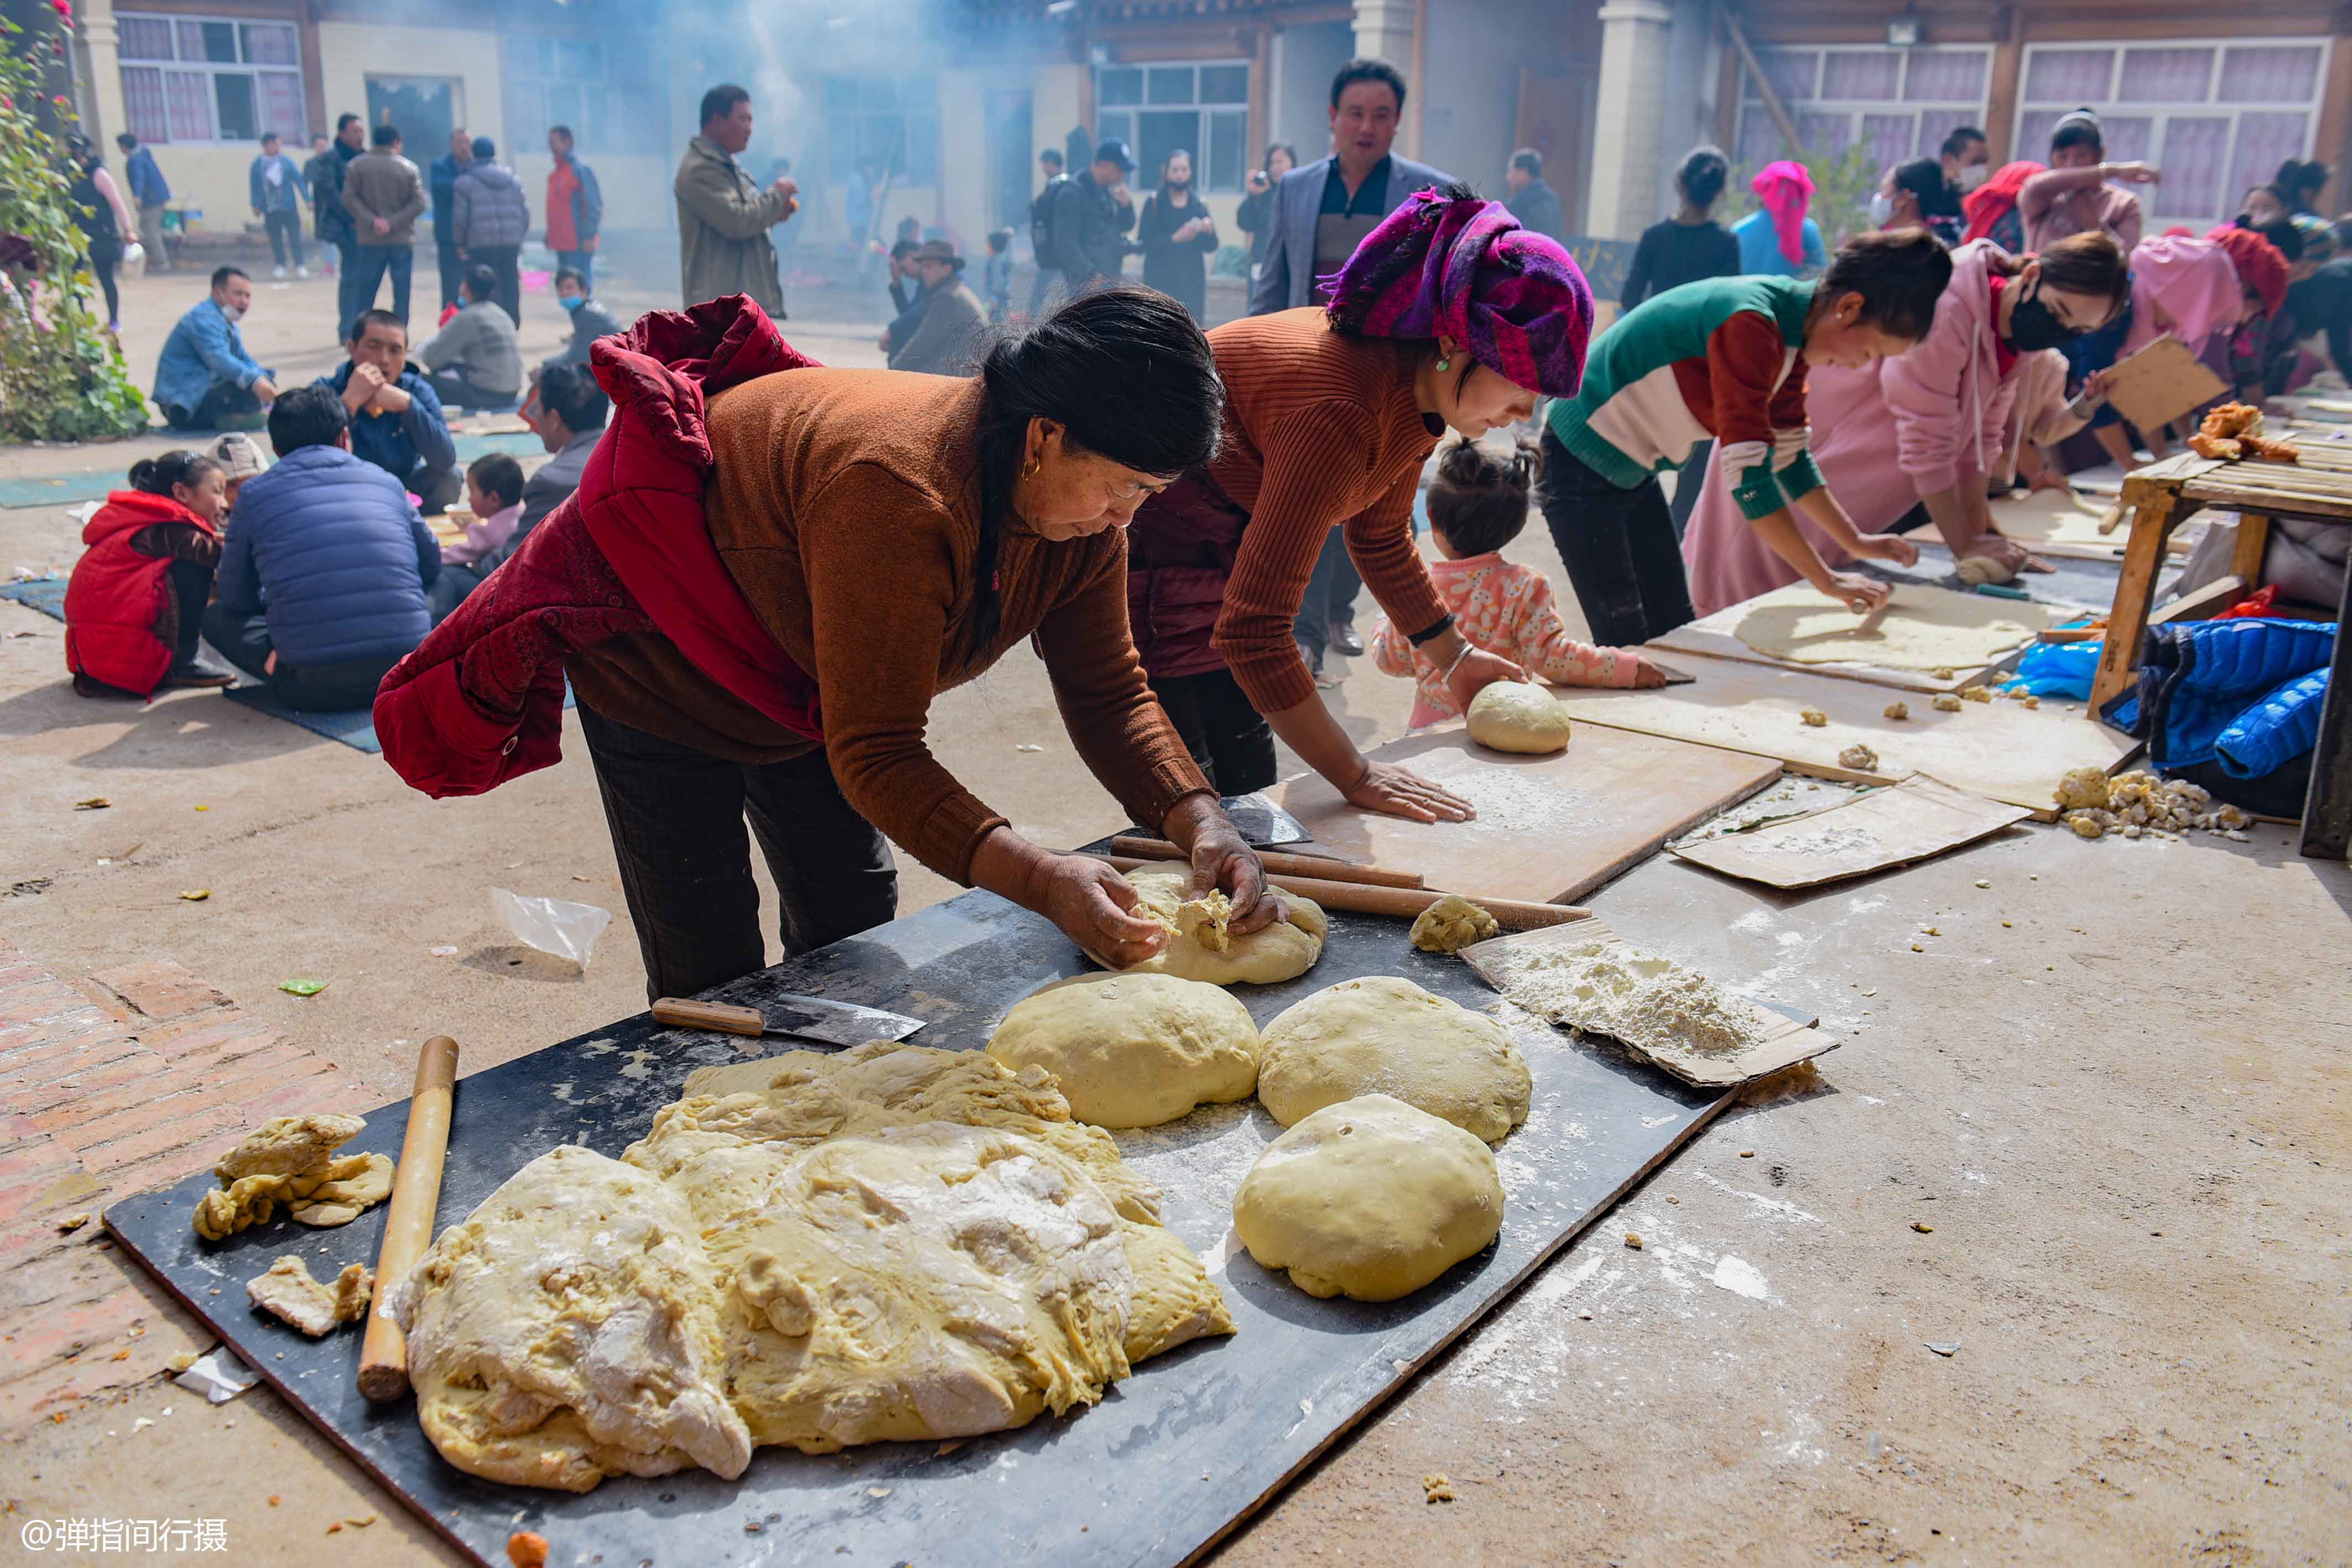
(1370, 1198)
(1384, 1035)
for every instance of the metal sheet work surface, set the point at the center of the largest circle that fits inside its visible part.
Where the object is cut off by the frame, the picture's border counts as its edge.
(1164, 1466)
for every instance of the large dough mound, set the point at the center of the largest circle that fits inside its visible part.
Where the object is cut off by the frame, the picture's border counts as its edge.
(1517, 715)
(1133, 1050)
(1384, 1035)
(568, 1330)
(1370, 1198)
(1281, 951)
(926, 1283)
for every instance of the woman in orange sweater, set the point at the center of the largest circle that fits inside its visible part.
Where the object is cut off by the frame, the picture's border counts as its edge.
(1449, 316)
(894, 536)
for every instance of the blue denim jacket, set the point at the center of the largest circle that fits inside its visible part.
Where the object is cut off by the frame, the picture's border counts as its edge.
(204, 351)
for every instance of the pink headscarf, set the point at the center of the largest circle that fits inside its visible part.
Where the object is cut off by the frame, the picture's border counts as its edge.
(1786, 190)
(2192, 281)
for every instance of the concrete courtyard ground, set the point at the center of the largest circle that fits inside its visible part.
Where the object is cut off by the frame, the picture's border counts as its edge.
(2115, 1091)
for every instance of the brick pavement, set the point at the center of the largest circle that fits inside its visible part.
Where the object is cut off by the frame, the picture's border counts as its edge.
(133, 1079)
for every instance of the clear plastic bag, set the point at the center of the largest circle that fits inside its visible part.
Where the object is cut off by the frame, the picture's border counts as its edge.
(553, 925)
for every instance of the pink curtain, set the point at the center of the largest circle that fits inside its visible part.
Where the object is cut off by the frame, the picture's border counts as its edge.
(2265, 141)
(281, 107)
(2069, 77)
(142, 103)
(2196, 148)
(1953, 74)
(188, 101)
(2165, 75)
(2270, 74)
(145, 38)
(1866, 76)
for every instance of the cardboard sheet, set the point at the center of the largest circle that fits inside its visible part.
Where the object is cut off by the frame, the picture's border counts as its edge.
(1718, 635)
(2053, 522)
(1783, 1039)
(1916, 820)
(2161, 383)
(2001, 750)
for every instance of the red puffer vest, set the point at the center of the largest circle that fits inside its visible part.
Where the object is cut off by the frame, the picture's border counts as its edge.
(1180, 549)
(481, 699)
(116, 594)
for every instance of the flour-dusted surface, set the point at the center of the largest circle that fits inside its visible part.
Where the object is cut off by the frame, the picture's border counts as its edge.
(1608, 987)
(1144, 1479)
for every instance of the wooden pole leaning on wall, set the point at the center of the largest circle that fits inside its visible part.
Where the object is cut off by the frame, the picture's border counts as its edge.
(1764, 88)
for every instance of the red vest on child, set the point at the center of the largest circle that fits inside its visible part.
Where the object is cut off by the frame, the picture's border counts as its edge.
(116, 594)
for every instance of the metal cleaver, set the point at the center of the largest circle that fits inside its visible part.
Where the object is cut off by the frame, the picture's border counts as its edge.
(1261, 822)
(807, 1018)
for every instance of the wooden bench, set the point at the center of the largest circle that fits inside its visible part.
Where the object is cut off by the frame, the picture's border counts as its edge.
(2164, 495)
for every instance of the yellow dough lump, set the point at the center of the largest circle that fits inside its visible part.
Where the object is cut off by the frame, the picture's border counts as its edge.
(1368, 1198)
(1384, 1035)
(1133, 1050)
(1517, 715)
(291, 1160)
(1452, 923)
(1268, 956)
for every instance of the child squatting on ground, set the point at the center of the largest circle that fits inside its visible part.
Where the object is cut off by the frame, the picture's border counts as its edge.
(1479, 504)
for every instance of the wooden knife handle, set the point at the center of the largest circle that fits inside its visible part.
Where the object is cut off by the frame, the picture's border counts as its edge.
(1277, 861)
(408, 1222)
(679, 1012)
(1405, 902)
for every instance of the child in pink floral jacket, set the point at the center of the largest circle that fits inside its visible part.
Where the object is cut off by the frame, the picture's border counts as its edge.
(1479, 504)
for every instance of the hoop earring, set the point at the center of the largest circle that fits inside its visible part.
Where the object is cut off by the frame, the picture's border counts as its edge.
(1031, 471)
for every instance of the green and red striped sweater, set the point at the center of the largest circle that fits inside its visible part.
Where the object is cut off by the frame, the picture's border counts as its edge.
(1721, 359)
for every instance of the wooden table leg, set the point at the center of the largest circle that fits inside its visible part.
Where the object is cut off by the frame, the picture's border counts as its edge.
(2246, 560)
(2327, 803)
(2153, 505)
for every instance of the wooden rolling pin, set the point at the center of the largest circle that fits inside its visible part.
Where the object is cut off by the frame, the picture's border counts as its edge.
(1405, 902)
(408, 1223)
(1275, 860)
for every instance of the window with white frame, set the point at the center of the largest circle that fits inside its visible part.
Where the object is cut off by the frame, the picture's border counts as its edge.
(605, 97)
(1156, 110)
(1900, 103)
(882, 125)
(2217, 116)
(190, 80)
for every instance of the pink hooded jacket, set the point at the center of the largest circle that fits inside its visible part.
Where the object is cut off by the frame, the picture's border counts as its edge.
(1884, 435)
(2186, 286)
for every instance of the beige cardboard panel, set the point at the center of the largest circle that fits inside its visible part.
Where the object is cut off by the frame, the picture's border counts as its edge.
(2162, 382)
(1718, 635)
(1919, 818)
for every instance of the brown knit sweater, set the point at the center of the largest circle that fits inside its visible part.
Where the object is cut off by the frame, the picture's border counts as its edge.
(1320, 430)
(845, 503)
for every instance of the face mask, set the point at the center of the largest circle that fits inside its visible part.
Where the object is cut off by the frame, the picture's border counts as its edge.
(1881, 208)
(571, 301)
(235, 313)
(1973, 175)
(2033, 326)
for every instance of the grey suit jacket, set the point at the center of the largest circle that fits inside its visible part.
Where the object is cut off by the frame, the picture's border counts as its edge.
(1286, 279)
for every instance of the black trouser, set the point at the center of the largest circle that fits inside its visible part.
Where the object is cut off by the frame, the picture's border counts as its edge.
(503, 260)
(243, 641)
(453, 271)
(285, 227)
(102, 264)
(437, 489)
(676, 815)
(225, 406)
(456, 393)
(1619, 548)
(1225, 735)
(191, 587)
(1330, 598)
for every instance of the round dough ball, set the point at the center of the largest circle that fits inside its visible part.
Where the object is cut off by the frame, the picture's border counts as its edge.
(1518, 716)
(1384, 1035)
(1135, 1049)
(1281, 951)
(1370, 1198)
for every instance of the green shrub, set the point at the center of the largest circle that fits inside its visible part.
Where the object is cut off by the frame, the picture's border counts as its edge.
(62, 375)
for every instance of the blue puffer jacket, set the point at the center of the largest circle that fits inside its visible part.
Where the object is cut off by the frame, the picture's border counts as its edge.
(326, 544)
(2274, 731)
(2199, 678)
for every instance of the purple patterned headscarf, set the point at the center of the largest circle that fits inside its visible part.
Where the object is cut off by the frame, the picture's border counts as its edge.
(1462, 267)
